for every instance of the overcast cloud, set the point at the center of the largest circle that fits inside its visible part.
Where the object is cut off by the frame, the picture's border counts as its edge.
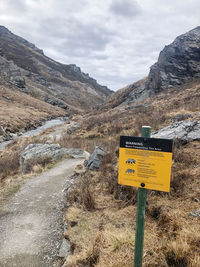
(115, 41)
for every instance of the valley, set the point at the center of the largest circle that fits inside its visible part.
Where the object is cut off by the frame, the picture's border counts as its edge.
(99, 213)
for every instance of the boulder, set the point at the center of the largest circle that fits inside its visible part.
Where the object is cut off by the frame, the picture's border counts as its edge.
(184, 131)
(95, 159)
(34, 152)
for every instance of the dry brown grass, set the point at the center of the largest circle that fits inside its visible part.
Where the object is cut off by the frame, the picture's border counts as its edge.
(37, 168)
(105, 236)
(81, 194)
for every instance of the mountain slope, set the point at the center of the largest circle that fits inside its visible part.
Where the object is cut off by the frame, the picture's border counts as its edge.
(178, 63)
(26, 66)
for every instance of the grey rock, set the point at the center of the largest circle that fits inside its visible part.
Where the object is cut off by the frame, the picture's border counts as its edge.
(4, 144)
(95, 159)
(2, 131)
(35, 152)
(4, 135)
(178, 63)
(75, 68)
(54, 101)
(13, 136)
(137, 94)
(64, 264)
(184, 131)
(18, 81)
(73, 128)
(64, 250)
(12, 73)
(195, 213)
(76, 153)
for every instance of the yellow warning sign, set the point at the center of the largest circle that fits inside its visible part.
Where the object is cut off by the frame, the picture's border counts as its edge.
(145, 162)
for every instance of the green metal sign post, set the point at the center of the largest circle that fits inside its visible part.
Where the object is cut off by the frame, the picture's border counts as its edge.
(140, 221)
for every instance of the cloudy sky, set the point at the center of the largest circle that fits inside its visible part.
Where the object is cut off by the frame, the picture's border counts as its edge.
(115, 41)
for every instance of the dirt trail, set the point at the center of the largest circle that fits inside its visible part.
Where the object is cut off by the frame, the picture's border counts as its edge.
(31, 223)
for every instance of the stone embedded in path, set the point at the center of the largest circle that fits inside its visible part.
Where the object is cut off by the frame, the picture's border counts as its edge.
(64, 251)
(34, 152)
(195, 213)
(95, 159)
(184, 131)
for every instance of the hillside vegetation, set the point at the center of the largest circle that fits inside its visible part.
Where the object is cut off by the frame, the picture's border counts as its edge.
(101, 218)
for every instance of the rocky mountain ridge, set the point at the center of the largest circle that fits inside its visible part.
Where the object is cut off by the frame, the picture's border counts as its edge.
(26, 66)
(178, 63)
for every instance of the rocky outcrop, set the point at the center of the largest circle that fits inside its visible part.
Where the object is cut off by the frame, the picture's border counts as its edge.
(177, 64)
(34, 153)
(183, 131)
(136, 95)
(128, 95)
(95, 159)
(12, 73)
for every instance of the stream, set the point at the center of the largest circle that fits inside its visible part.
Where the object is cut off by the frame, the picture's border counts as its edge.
(48, 124)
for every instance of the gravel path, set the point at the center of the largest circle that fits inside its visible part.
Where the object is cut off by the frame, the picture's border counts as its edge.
(31, 223)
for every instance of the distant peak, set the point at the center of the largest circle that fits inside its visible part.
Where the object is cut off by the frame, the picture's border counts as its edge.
(194, 31)
(197, 28)
(3, 28)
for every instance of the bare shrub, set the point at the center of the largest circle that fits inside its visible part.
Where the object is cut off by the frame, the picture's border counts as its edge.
(80, 142)
(43, 161)
(192, 104)
(101, 119)
(9, 164)
(167, 224)
(179, 181)
(81, 193)
(186, 159)
(175, 260)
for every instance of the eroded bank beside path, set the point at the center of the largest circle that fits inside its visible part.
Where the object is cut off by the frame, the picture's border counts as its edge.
(31, 222)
